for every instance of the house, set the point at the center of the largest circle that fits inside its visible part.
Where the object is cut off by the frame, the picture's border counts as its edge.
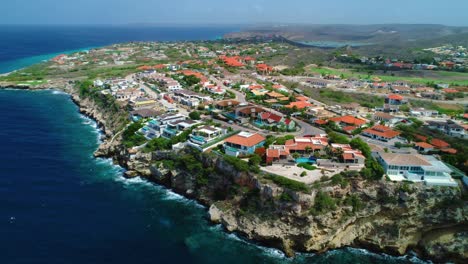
(349, 155)
(206, 134)
(298, 105)
(174, 128)
(264, 69)
(394, 99)
(449, 128)
(144, 113)
(225, 104)
(276, 153)
(271, 119)
(143, 102)
(380, 132)
(249, 111)
(423, 147)
(348, 121)
(300, 145)
(398, 89)
(420, 111)
(304, 144)
(416, 167)
(387, 118)
(243, 144)
(320, 83)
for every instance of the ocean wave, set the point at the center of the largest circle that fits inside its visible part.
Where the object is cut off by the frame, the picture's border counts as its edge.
(268, 251)
(411, 257)
(59, 92)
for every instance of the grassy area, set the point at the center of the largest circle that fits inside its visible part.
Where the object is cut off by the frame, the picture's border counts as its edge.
(337, 97)
(444, 76)
(31, 83)
(288, 183)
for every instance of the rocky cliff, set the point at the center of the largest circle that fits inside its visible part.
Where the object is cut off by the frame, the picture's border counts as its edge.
(381, 216)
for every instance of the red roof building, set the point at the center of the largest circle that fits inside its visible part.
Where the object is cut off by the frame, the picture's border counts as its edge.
(439, 144)
(299, 105)
(348, 121)
(380, 132)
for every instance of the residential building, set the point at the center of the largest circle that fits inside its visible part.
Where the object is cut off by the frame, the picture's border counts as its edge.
(394, 99)
(243, 144)
(423, 112)
(380, 132)
(449, 128)
(416, 167)
(423, 147)
(206, 134)
(348, 121)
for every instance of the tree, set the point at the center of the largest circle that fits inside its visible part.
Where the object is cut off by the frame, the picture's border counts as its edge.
(195, 115)
(255, 160)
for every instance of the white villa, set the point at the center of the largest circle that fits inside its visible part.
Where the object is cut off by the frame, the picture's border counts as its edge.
(205, 134)
(417, 168)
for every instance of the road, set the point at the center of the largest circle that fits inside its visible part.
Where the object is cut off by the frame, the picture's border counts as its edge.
(239, 96)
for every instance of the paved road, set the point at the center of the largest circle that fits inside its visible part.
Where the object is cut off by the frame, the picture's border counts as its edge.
(239, 96)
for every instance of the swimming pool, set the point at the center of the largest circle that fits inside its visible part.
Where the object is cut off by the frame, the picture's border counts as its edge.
(305, 160)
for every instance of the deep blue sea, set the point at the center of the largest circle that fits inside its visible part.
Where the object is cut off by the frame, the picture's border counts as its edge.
(60, 205)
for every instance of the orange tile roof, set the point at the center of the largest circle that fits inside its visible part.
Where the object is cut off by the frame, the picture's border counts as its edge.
(350, 120)
(438, 143)
(424, 145)
(320, 121)
(253, 140)
(348, 156)
(449, 150)
(302, 98)
(275, 94)
(395, 97)
(382, 131)
(299, 105)
(420, 137)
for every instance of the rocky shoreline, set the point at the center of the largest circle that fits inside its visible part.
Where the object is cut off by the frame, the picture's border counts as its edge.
(391, 220)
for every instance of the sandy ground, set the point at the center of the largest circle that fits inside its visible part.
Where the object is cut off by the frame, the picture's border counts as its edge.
(293, 172)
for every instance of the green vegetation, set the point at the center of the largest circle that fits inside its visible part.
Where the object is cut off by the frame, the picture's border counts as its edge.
(338, 138)
(286, 197)
(354, 201)
(288, 183)
(306, 166)
(373, 169)
(323, 204)
(238, 164)
(195, 115)
(364, 100)
(282, 140)
(157, 144)
(443, 76)
(338, 179)
(130, 136)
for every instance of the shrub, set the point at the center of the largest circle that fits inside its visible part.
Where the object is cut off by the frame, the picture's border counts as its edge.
(286, 197)
(288, 183)
(304, 173)
(323, 203)
(354, 201)
(306, 166)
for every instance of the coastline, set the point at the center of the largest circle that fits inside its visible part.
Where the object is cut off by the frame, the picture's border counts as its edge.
(119, 156)
(103, 152)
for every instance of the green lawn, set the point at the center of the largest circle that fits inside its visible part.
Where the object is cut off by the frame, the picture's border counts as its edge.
(31, 83)
(388, 78)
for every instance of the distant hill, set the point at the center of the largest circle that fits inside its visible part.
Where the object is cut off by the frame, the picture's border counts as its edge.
(369, 39)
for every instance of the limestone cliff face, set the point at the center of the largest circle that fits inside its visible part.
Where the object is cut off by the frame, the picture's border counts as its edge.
(391, 217)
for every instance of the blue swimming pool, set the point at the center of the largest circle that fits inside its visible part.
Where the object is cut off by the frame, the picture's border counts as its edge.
(305, 160)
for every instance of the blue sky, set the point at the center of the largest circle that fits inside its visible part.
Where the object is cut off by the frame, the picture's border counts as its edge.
(448, 12)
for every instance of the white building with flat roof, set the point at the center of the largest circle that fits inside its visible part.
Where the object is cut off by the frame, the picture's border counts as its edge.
(417, 168)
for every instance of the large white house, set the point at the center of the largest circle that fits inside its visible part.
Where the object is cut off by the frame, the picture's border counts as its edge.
(416, 167)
